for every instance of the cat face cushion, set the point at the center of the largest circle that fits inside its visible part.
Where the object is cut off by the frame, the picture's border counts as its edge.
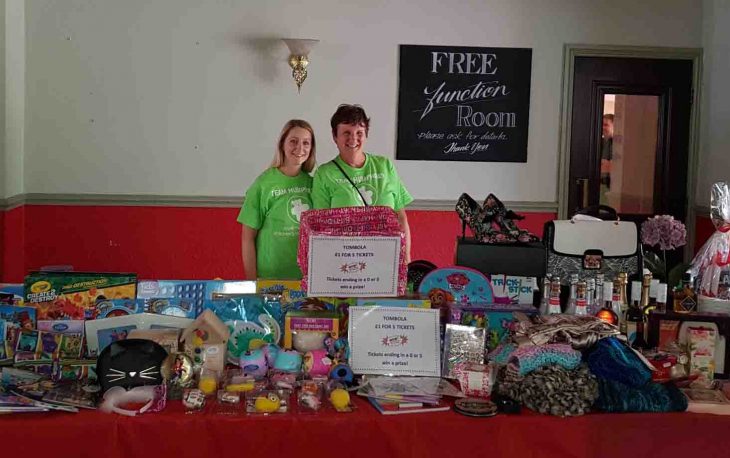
(129, 363)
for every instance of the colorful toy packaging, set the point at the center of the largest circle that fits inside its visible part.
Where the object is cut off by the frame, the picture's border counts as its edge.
(495, 318)
(13, 292)
(460, 285)
(194, 292)
(74, 295)
(307, 331)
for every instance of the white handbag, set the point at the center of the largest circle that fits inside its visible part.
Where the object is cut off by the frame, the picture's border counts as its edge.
(588, 247)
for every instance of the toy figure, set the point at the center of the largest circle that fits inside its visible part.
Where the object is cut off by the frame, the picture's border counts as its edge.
(340, 399)
(269, 403)
(288, 361)
(253, 363)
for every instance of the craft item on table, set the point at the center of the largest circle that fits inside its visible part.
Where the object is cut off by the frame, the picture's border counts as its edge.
(167, 338)
(288, 361)
(510, 289)
(65, 370)
(652, 397)
(195, 292)
(415, 302)
(702, 351)
(578, 331)
(129, 363)
(289, 290)
(497, 319)
(70, 394)
(193, 400)
(500, 355)
(177, 372)
(3, 351)
(460, 285)
(205, 341)
(74, 295)
(118, 307)
(23, 317)
(307, 331)
(309, 397)
(253, 321)
(253, 363)
(61, 326)
(529, 358)
(154, 397)
(267, 401)
(711, 401)
(101, 332)
(476, 380)
(171, 306)
(338, 350)
(613, 360)
(462, 344)
(270, 352)
(340, 400)
(283, 380)
(208, 382)
(351, 222)
(316, 362)
(475, 407)
(343, 373)
(14, 291)
(228, 403)
(553, 390)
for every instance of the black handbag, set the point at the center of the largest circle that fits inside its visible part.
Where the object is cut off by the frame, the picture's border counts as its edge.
(586, 248)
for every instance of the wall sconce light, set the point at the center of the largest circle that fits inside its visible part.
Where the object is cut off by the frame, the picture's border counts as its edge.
(299, 58)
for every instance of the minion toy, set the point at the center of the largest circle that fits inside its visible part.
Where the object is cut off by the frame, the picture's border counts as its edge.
(268, 403)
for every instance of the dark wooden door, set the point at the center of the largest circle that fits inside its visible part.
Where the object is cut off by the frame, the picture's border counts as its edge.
(641, 167)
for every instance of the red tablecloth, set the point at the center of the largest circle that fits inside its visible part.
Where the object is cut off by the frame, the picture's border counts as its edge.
(172, 433)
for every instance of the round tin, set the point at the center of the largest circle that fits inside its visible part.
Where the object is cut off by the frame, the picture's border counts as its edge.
(475, 407)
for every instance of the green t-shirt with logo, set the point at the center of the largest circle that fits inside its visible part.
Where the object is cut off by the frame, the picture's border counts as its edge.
(377, 180)
(273, 205)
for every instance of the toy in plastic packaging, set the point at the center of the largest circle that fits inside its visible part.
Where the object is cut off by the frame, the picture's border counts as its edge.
(193, 400)
(462, 344)
(711, 265)
(309, 396)
(253, 321)
(228, 403)
(267, 401)
(339, 398)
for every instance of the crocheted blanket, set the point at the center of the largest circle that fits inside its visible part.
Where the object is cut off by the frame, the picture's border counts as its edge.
(529, 358)
(552, 390)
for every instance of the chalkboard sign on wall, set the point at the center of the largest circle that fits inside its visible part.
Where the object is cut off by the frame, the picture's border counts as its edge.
(459, 103)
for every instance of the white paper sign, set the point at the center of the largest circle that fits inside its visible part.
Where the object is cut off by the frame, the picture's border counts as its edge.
(353, 266)
(394, 340)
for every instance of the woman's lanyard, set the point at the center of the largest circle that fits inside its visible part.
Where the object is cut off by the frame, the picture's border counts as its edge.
(351, 182)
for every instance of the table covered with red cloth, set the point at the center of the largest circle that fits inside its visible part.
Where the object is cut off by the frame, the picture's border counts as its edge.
(365, 432)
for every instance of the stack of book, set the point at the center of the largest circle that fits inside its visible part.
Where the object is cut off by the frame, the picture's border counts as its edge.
(397, 395)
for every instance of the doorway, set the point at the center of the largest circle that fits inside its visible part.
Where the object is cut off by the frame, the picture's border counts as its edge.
(629, 132)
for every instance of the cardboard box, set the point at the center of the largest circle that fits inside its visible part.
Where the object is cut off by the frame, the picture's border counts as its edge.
(74, 295)
(206, 340)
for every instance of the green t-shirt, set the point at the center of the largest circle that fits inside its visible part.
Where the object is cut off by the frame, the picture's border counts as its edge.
(273, 205)
(377, 180)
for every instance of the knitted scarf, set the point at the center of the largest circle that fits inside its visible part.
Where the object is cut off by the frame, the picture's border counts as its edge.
(578, 331)
(552, 390)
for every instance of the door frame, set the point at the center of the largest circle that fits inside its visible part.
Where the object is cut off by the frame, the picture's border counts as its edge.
(570, 53)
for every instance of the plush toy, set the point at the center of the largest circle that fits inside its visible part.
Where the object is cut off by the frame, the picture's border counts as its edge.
(253, 362)
(267, 403)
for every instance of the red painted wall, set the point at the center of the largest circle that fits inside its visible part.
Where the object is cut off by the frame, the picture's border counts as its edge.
(12, 245)
(173, 242)
(703, 230)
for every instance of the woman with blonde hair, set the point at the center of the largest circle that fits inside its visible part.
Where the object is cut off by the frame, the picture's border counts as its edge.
(274, 203)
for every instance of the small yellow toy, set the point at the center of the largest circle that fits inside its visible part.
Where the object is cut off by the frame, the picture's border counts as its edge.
(267, 404)
(340, 400)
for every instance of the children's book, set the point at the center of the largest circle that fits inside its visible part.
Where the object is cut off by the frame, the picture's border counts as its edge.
(395, 408)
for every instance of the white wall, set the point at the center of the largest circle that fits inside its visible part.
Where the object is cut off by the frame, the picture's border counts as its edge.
(715, 131)
(14, 82)
(183, 97)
